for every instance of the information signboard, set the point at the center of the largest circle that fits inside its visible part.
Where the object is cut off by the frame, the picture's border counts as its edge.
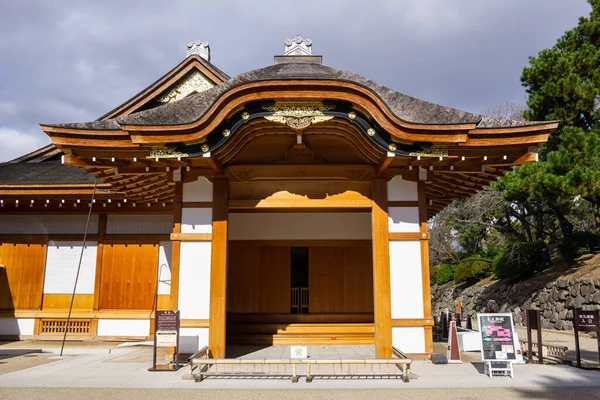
(497, 337)
(166, 334)
(585, 321)
(167, 327)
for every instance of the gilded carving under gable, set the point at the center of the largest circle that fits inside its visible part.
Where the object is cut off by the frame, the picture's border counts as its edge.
(195, 82)
(166, 152)
(298, 115)
(433, 151)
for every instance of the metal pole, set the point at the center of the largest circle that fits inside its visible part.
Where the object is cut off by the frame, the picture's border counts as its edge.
(576, 328)
(539, 337)
(87, 224)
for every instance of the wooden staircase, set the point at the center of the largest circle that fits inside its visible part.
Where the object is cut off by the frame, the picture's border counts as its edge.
(298, 330)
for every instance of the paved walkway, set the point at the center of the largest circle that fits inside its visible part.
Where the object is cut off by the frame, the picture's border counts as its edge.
(106, 366)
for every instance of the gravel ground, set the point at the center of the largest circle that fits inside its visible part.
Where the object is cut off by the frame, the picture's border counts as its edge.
(562, 393)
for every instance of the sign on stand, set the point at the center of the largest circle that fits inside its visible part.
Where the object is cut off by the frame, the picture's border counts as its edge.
(166, 334)
(585, 321)
(498, 350)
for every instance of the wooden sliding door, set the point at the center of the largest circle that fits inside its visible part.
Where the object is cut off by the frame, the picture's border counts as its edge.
(129, 274)
(258, 278)
(340, 279)
(22, 278)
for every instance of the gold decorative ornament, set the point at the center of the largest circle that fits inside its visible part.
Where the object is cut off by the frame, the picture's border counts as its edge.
(204, 148)
(226, 132)
(298, 115)
(245, 115)
(194, 82)
(371, 132)
(392, 147)
(351, 115)
(165, 152)
(433, 151)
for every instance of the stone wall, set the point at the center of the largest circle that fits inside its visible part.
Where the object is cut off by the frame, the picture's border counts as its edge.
(556, 300)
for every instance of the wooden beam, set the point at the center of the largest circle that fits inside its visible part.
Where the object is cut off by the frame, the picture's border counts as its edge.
(385, 163)
(215, 164)
(139, 171)
(303, 203)
(412, 322)
(425, 263)
(190, 236)
(218, 269)
(381, 270)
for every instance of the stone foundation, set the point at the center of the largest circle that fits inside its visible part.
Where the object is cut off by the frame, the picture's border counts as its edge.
(556, 300)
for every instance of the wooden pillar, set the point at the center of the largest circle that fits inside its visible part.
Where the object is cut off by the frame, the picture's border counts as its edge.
(381, 270)
(218, 268)
(102, 222)
(176, 246)
(425, 264)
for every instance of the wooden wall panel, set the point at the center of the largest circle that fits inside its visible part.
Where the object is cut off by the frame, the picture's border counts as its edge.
(242, 278)
(258, 278)
(274, 279)
(340, 279)
(128, 279)
(358, 279)
(326, 279)
(22, 282)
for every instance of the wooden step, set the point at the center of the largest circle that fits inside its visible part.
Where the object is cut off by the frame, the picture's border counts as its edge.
(301, 339)
(299, 318)
(301, 328)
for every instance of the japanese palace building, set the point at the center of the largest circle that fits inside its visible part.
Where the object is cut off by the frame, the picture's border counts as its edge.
(286, 205)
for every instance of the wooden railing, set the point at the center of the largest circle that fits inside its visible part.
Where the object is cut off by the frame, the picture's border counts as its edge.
(549, 351)
(299, 299)
(397, 366)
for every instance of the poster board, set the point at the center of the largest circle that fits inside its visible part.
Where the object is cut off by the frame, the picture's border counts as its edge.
(497, 337)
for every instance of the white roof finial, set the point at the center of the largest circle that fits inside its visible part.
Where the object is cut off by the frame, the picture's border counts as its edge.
(200, 48)
(298, 47)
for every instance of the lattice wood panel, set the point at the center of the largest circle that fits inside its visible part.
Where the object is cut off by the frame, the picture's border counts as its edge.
(57, 326)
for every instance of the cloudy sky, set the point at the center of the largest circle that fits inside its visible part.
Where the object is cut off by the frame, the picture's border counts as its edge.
(74, 60)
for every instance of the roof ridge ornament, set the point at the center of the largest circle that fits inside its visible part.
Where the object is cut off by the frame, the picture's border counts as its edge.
(298, 47)
(200, 48)
(298, 115)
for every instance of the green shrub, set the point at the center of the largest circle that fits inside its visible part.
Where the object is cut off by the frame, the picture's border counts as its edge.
(473, 269)
(521, 261)
(580, 242)
(444, 273)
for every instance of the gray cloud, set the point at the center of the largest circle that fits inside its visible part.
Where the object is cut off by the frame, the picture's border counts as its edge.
(69, 60)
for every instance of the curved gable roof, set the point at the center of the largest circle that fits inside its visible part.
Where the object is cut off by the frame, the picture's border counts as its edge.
(194, 107)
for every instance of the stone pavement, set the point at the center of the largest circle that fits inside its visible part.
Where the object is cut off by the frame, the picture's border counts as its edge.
(107, 366)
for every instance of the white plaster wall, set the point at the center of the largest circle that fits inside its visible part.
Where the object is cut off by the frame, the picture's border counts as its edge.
(409, 339)
(406, 283)
(403, 219)
(401, 190)
(62, 260)
(142, 224)
(164, 267)
(194, 280)
(300, 226)
(196, 220)
(192, 339)
(41, 224)
(16, 326)
(200, 190)
(123, 327)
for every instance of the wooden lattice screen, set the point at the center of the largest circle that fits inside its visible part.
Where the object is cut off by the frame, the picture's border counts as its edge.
(56, 326)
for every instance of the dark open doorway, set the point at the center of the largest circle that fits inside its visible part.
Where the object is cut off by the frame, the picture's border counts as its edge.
(299, 280)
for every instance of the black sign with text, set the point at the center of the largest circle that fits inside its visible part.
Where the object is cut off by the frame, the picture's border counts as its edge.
(497, 337)
(587, 321)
